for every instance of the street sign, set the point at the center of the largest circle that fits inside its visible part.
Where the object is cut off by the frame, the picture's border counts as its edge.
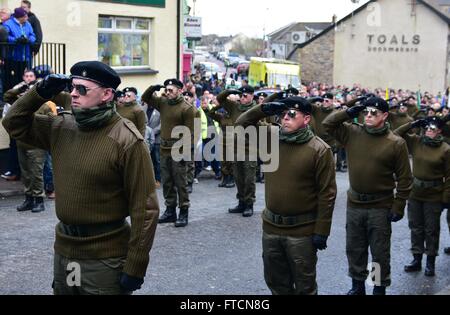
(193, 27)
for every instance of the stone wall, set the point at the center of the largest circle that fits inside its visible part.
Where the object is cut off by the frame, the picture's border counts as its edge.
(317, 59)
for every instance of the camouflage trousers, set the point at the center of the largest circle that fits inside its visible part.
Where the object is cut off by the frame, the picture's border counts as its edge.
(424, 220)
(369, 228)
(32, 166)
(245, 177)
(289, 264)
(87, 277)
(174, 182)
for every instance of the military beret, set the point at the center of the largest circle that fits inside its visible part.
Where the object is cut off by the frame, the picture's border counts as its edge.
(329, 96)
(188, 94)
(377, 103)
(263, 94)
(118, 94)
(293, 91)
(298, 103)
(97, 72)
(247, 89)
(437, 121)
(130, 89)
(174, 82)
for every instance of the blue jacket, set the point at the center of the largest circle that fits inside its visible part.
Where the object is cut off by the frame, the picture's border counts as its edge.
(15, 31)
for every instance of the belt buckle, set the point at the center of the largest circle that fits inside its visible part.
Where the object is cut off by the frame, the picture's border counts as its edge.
(363, 197)
(278, 219)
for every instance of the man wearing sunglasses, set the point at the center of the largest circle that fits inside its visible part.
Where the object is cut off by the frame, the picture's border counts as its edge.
(398, 115)
(300, 197)
(431, 189)
(131, 110)
(175, 111)
(244, 171)
(374, 156)
(103, 174)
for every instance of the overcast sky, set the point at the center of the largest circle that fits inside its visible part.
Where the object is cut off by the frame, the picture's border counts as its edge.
(252, 16)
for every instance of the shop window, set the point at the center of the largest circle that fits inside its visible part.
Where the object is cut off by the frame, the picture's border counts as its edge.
(124, 43)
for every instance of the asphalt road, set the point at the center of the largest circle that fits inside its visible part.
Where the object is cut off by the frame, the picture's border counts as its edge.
(217, 253)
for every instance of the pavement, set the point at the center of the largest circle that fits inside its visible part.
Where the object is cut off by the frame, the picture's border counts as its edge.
(10, 189)
(216, 254)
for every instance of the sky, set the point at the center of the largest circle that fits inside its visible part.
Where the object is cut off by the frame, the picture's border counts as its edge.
(255, 18)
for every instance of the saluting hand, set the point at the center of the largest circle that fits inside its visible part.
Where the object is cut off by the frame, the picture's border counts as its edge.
(273, 108)
(354, 111)
(52, 85)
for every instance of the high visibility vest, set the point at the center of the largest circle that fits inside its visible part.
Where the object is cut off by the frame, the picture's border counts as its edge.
(204, 120)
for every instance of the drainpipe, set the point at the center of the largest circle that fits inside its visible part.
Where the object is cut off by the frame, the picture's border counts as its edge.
(178, 38)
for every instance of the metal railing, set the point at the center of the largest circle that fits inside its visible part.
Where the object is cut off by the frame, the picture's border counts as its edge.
(15, 58)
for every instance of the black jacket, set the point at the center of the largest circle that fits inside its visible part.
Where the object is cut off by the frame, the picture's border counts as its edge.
(34, 21)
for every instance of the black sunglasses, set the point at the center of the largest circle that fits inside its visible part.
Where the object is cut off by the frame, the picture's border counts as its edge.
(81, 89)
(372, 112)
(291, 113)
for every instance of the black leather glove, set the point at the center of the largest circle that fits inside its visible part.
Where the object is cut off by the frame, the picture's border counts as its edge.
(233, 91)
(52, 85)
(315, 99)
(354, 111)
(273, 108)
(446, 205)
(23, 88)
(157, 87)
(419, 123)
(319, 241)
(129, 283)
(22, 40)
(394, 217)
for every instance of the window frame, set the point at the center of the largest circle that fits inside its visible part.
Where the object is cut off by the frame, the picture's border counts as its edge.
(132, 31)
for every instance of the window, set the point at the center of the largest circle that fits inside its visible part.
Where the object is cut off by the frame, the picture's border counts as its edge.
(123, 42)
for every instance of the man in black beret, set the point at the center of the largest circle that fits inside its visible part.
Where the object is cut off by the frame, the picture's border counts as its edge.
(175, 111)
(380, 183)
(103, 173)
(129, 108)
(244, 171)
(300, 198)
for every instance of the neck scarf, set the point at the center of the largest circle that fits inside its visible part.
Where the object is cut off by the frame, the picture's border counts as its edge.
(94, 117)
(299, 136)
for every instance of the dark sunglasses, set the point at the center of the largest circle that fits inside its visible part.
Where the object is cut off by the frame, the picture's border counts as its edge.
(431, 127)
(292, 113)
(81, 89)
(245, 95)
(372, 112)
(128, 95)
(169, 90)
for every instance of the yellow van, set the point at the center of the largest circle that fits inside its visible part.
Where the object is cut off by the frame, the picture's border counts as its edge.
(273, 72)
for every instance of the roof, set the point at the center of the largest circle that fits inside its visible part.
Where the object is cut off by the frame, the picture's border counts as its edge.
(298, 27)
(427, 3)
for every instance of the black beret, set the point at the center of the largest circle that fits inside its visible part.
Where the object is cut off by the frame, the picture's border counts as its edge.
(377, 103)
(293, 91)
(174, 82)
(329, 96)
(298, 103)
(263, 94)
(247, 89)
(188, 94)
(437, 121)
(130, 89)
(97, 72)
(119, 93)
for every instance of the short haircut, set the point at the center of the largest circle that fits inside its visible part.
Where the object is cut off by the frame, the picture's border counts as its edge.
(28, 71)
(28, 3)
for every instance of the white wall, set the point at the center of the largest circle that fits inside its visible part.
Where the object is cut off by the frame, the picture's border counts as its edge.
(424, 69)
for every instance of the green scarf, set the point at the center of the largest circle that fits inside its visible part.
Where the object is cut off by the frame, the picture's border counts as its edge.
(300, 136)
(399, 114)
(378, 131)
(244, 108)
(94, 117)
(435, 143)
(173, 102)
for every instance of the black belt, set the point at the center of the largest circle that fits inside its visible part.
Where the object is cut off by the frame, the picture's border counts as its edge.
(87, 230)
(427, 183)
(294, 220)
(369, 197)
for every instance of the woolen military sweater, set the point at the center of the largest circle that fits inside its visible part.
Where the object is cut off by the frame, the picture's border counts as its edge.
(319, 114)
(179, 114)
(304, 182)
(397, 120)
(134, 113)
(372, 162)
(429, 164)
(101, 176)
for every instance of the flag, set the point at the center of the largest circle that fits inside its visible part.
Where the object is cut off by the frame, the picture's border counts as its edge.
(387, 94)
(419, 100)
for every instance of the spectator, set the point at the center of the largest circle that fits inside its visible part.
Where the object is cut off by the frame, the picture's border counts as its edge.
(4, 16)
(35, 24)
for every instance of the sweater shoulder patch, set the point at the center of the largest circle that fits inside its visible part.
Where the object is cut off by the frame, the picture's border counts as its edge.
(125, 134)
(317, 144)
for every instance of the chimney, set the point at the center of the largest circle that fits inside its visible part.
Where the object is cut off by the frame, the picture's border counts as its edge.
(334, 19)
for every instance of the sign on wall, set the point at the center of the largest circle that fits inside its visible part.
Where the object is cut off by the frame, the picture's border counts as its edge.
(393, 43)
(193, 27)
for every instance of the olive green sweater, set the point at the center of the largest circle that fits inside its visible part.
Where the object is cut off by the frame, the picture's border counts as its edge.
(319, 114)
(180, 114)
(372, 162)
(303, 183)
(429, 164)
(135, 114)
(396, 119)
(100, 176)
